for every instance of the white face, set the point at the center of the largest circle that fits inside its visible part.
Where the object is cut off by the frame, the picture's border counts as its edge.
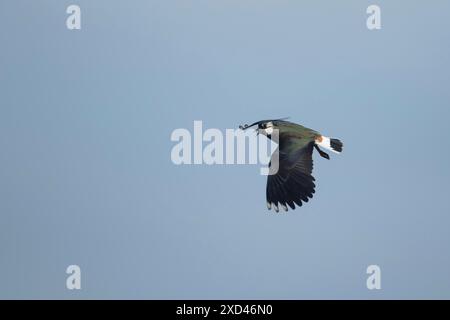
(269, 128)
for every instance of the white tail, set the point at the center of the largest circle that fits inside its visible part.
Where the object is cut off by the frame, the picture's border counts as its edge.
(331, 144)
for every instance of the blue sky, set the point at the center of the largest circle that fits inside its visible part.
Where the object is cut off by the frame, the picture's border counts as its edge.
(85, 170)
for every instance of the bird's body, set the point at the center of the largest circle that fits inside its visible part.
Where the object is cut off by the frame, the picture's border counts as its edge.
(292, 183)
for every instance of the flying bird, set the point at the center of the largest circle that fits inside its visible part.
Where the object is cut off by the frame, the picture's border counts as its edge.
(293, 183)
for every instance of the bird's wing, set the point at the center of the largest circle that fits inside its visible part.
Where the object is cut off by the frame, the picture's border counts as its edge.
(293, 183)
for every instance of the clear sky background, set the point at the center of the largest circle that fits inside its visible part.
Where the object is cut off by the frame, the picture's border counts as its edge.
(85, 170)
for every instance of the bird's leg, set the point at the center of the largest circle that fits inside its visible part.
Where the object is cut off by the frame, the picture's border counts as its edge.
(322, 153)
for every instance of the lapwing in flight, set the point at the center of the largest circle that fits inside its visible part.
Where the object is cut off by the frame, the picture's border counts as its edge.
(293, 183)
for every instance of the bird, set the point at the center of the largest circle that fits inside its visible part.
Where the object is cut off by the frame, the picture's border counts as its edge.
(291, 183)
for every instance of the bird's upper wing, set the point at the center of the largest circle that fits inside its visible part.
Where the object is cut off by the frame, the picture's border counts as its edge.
(293, 183)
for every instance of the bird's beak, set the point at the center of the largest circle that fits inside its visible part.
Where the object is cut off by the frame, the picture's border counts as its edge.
(246, 126)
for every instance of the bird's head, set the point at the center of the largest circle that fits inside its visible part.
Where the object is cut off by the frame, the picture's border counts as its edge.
(264, 127)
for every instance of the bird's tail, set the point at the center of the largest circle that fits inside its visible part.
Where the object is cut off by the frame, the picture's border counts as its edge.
(331, 144)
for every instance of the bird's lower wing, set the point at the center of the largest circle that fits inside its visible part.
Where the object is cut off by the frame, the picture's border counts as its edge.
(293, 183)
